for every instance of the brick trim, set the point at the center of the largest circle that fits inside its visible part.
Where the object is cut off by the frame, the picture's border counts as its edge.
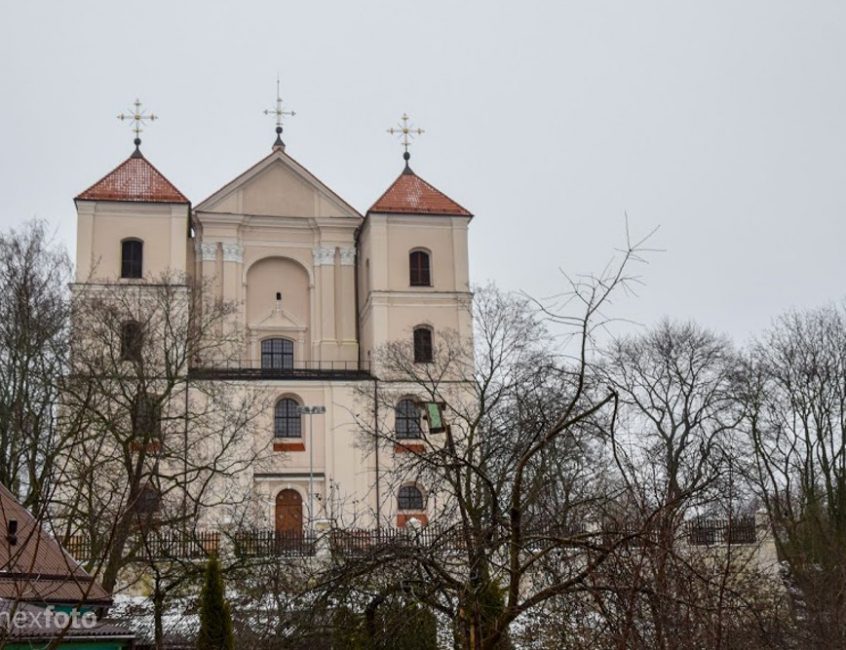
(288, 446)
(402, 518)
(409, 447)
(151, 447)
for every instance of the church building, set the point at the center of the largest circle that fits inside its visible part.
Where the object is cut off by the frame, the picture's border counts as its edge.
(318, 288)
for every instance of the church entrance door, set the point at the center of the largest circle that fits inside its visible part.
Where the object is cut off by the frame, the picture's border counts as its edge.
(289, 519)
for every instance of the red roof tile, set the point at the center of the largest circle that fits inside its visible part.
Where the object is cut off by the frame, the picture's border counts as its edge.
(36, 568)
(135, 179)
(410, 194)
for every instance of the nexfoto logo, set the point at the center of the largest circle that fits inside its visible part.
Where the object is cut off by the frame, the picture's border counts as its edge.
(48, 618)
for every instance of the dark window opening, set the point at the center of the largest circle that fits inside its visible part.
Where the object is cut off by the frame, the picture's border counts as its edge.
(407, 422)
(148, 501)
(131, 340)
(422, 345)
(277, 354)
(146, 418)
(132, 257)
(410, 498)
(420, 275)
(286, 419)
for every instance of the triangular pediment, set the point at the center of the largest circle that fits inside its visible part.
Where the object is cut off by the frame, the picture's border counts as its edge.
(278, 319)
(278, 186)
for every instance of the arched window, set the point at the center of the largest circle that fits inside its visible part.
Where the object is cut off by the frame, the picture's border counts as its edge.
(286, 419)
(131, 340)
(131, 258)
(277, 354)
(419, 271)
(407, 423)
(409, 498)
(422, 345)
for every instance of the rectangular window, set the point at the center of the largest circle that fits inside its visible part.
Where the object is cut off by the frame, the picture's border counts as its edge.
(407, 420)
(277, 354)
(131, 340)
(422, 345)
(146, 419)
(419, 274)
(132, 253)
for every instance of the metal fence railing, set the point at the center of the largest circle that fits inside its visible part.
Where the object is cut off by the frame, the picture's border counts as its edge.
(259, 543)
(78, 546)
(256, 369)
(358, 542)
(195, 545)
(706, 532)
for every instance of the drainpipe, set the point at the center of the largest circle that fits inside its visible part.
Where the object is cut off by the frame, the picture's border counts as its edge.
(357, 311)
(376, 442)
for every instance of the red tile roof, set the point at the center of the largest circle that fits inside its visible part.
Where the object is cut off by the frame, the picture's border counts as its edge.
(410, 194)
(36, 567)
(135, 179)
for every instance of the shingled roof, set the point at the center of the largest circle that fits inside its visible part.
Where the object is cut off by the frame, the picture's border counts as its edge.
(135, 179)
(410, 194)
(33, 565)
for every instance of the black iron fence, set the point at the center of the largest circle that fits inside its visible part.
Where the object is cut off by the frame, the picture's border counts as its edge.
(192, 546)
(255, 369)
(706, 532)
(259, 543)
(195, 545)
(356, 542)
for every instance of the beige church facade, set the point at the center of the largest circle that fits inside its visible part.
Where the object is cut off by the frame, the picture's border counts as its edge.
(317, 290)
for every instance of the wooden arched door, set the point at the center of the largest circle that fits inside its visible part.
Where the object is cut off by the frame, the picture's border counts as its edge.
(289, 514)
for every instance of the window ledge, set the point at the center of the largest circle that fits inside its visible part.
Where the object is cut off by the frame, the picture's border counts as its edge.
(409, 448)
(151, 447)
(288, 446)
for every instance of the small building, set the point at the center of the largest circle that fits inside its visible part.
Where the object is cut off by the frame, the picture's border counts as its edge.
(45, 592)
(29, 627)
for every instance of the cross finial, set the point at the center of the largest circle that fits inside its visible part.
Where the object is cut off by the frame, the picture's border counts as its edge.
(279, 113)
(406, 133)
(139, 117)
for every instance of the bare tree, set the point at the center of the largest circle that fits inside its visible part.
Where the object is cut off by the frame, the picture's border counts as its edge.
(519, 469)
(678, 455)
(795, 399)
(157, 451)
(33, 343)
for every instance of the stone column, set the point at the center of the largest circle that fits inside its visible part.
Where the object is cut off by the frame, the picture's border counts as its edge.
(324, 280)
(233, 259)
(346, 290)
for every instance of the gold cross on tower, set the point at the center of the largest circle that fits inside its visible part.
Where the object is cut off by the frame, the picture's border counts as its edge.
(406, 133)
(139, 117)
(279, 113)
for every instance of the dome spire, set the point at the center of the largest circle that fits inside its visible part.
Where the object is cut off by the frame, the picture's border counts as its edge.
(138, 117)
(279, 113)
(406, 133)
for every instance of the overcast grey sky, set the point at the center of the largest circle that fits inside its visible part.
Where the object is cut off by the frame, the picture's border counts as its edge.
(724, 123)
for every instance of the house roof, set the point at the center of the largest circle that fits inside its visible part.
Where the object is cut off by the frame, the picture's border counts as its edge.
(410, 194)
(35, 624)
(135, 179)
(35, 567)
